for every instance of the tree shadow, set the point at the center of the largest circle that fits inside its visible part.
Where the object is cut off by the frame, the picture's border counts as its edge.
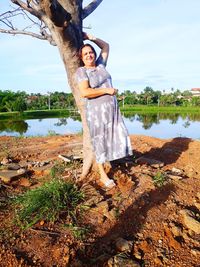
(169, 152)
(127, 226)
(131, 221)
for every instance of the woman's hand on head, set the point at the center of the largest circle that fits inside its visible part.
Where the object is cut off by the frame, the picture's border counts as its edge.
(87, 36)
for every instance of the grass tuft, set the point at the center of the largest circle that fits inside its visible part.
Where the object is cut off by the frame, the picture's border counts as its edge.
(47, 202)
(78, 232)
(58, 169)
(159, 179)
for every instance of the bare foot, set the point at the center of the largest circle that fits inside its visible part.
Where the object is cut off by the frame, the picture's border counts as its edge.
(110, 184)
(105, 181)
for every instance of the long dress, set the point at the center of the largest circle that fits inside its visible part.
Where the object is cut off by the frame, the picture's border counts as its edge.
(108, 133)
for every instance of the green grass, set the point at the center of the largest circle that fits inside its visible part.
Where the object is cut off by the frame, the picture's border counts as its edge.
(9, 115)
(47, 202)
(156, 109)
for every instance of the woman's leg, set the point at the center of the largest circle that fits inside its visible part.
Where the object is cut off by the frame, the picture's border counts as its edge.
(103, 175)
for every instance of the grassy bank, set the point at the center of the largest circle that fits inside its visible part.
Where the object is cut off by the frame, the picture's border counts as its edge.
(157, 109)
(37, 114)
(58, 113)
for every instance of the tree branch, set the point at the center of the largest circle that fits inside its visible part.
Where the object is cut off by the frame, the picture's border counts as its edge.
(6, 19)
(34, 9)
(90, 8)
(44, 35)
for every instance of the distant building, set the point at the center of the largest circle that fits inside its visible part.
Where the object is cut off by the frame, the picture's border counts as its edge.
(195, 91)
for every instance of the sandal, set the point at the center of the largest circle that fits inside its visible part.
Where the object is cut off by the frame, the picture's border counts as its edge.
(110, 184)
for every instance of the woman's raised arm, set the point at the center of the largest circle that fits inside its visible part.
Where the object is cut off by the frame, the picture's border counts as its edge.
(101, 44)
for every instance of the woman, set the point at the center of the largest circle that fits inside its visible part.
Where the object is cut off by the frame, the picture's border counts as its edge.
(109, 135)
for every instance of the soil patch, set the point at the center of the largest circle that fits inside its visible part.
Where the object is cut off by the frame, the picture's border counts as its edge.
(151, 218)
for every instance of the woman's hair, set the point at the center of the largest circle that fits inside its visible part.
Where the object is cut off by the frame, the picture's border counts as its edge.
(81, 48)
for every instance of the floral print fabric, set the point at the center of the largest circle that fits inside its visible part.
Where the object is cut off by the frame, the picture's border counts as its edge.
(109, 135)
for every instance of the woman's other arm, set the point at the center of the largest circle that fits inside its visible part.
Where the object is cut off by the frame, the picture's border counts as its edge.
(88, 92)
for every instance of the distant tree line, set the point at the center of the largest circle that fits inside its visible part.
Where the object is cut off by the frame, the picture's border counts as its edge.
(159, 98)
(21, 101)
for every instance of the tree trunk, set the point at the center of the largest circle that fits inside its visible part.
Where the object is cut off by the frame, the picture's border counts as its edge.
(68, 38)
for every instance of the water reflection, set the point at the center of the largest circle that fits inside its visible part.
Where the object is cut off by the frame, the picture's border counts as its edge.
(65, 121)
(161, 125)
(186, 124)
(10, 126)
(149, 119)
(62, 121)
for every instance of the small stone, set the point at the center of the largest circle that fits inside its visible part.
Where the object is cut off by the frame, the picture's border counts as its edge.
(176, 231)
(6, 161)
(190, 221)
(21, 171)
(177, 171)
(13, 166)
(9, 175)
(152, 162)
(122, 244)
(65, 158)
(137, 255)
(195, 252)
(175, 177)
(140, 235)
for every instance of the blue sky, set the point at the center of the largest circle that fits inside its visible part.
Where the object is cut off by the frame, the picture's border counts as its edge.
(152, 43)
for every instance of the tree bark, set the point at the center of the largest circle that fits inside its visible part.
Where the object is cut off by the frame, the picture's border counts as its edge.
(68, 37)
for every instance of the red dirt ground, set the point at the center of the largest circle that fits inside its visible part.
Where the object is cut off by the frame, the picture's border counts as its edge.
(148, 218)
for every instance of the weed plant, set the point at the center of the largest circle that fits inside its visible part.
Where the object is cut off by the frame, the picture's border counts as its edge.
(57, 170)
(77, 231)
(159, 179)
(47, 202)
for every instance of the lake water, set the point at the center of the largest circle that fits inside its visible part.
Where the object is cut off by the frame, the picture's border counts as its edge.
(156, 125)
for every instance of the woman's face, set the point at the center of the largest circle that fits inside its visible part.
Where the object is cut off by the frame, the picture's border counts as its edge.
(88, 56)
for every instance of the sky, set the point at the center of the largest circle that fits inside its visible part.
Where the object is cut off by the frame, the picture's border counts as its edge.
(153, 43)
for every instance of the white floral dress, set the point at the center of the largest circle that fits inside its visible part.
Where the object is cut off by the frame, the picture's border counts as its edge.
(109, 135)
